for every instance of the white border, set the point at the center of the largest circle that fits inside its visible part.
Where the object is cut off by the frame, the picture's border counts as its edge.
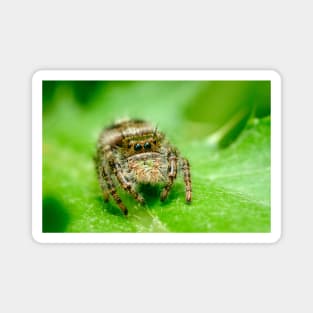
(271, 237)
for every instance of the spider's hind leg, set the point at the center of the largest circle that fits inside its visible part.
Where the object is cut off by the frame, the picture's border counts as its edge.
(103, 185)
(187, 179)
(172, 172)
(112, 191)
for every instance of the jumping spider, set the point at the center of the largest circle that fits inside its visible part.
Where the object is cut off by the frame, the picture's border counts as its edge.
(133, 152)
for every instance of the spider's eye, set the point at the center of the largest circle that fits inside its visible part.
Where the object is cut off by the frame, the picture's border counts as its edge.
(147, 145)
(137, 147)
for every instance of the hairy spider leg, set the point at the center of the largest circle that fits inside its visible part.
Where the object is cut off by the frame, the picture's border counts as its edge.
(103, 185)
(126, 185)
(104, 188)
(113, 192)
(172, 172)
(187, 178)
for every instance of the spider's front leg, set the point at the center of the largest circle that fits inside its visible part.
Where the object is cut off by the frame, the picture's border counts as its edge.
(124, 182)
(172, 172)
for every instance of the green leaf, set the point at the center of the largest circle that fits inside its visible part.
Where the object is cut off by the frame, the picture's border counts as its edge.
(231, 186)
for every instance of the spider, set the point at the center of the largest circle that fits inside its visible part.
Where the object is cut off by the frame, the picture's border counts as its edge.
(133, 152)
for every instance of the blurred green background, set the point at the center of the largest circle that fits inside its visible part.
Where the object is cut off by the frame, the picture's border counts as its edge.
(222, 127)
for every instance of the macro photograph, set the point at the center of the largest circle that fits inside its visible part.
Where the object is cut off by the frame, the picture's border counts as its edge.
(156, 156)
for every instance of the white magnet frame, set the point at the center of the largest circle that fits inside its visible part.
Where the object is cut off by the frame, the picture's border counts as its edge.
(276, 163)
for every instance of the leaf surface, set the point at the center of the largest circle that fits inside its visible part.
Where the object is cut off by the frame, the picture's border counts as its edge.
(231, 186)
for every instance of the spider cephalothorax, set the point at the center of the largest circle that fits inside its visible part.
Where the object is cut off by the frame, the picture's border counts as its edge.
(132, 152)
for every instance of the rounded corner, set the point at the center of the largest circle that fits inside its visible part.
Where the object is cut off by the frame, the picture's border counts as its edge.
(276, 75)
(36, 238)
(276, 238)
(37, 75)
